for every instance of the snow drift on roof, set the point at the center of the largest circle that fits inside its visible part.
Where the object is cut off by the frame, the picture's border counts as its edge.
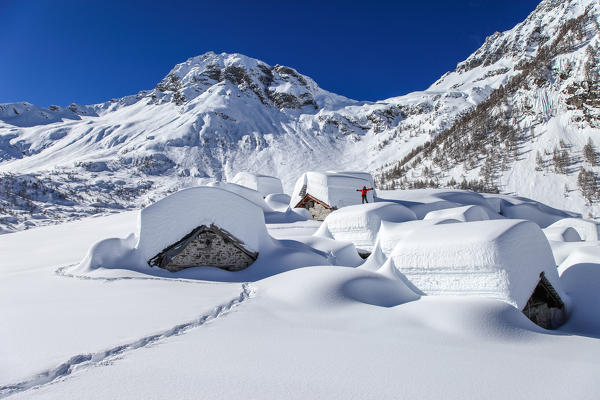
(463, 214)
(524, 208)
(359, 224)
(500, 259)
(390, 233)
(263, 184)
(423, 201)
(561, 234)
(247, 193)
(586, 228)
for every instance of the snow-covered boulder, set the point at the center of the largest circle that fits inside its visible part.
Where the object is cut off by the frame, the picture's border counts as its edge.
(561, 234)
(247, 193)
(508, 260)
(264, 184)
(359, 224)
(587, 229)
(322, 192)
(463, 214)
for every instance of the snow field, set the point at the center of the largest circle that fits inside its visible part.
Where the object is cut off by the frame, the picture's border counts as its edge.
(344, 329)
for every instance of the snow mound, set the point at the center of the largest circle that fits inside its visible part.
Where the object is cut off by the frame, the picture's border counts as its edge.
(423, 201)
(326, 288)
(580, 277)
(500, 259)
(359, 224)
(264, 184)
(581, 255)
(333, 188)
(561, 234)
(278, 201)
(247, 193)
(524, 208)
(587, 229)
(338, 253)
(463, 214)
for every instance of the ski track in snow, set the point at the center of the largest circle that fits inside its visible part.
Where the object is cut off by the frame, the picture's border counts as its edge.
(84, 361)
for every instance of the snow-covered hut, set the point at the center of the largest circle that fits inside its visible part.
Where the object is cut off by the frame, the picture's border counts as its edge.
(588, 230)
(264, 184)
(201, 226)
(359, 224)
(322, 192)
(509, 260)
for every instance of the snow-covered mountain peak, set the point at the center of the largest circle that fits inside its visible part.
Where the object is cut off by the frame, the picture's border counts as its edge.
(277, 86)
(502, 53)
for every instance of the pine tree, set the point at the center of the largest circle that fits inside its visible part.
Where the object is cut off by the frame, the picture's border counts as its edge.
(539, 162)
(589, 153)
(587, 182)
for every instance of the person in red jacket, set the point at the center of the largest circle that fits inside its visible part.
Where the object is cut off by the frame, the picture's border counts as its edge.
(363, 192)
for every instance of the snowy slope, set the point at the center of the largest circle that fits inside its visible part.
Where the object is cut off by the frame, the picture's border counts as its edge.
(529, 137)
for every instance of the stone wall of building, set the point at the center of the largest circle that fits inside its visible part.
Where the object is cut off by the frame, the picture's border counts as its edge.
(318, 211)
(205, 247)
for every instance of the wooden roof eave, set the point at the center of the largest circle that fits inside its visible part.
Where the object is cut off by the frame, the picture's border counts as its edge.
(308, 197)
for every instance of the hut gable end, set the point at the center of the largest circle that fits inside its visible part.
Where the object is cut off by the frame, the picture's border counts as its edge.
(205, 246)
(317, 208)
(545, 307)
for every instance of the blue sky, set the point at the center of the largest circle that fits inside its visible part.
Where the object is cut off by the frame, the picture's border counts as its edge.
(63, 51)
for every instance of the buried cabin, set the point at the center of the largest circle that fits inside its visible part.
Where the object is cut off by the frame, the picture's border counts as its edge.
(323, 192)
(508, 260)
(201, 227)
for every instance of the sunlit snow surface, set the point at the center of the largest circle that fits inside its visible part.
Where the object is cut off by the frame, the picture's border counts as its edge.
(326, 331)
